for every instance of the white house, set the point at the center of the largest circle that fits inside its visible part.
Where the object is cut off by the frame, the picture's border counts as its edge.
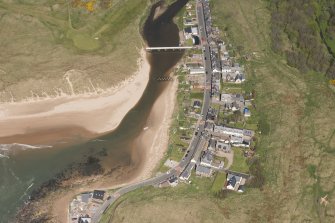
(228, 131)
(199, 70)
(194, 30)
(236, 140)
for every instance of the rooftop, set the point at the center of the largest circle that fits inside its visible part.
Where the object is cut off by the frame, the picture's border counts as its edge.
(203, 170)
(98, 194)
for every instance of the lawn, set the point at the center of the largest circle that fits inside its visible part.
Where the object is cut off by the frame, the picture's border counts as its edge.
(232, 90)
(197, 95)
(239, 162)
(175, 153)
(220, 180)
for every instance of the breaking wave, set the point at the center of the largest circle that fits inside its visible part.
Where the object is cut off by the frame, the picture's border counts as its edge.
(3, 156)
(7, 147)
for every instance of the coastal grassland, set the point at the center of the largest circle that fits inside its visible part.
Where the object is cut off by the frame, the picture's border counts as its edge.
(44, 43)
(296, 118)
(296, 151)
(193, 202)
(185, 203)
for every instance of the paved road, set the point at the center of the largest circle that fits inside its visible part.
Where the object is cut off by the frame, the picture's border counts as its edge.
(197, 141)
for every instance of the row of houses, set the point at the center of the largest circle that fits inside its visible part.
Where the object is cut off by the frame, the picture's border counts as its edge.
(213, 40)
(220, 139)
(223, 66)
(223, 138)
(235, 136)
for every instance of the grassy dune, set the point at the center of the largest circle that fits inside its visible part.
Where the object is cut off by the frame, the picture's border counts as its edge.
(296, 150)
(299, 109)
(42, 40)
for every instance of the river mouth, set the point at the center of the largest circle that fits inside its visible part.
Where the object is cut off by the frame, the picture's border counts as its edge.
(28, 169)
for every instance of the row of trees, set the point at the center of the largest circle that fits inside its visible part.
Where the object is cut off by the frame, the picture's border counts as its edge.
(303, 30)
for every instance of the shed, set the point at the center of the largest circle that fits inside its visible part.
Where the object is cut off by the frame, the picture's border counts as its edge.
(98, 194)
(246, 112)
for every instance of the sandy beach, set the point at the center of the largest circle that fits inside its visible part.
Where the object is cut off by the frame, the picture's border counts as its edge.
(96, 113)
(153, 142)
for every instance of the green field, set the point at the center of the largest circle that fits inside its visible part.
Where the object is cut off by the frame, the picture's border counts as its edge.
(44, 41)
(218, 183)
(193, 202)
(197, 95)
(240, 162)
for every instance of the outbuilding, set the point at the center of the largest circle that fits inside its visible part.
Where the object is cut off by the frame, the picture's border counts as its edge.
(98, 194)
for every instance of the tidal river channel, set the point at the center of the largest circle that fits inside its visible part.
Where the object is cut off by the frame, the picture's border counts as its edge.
(27, 170)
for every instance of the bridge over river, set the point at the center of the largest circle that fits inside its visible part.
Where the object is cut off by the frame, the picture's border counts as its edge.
(169, 48)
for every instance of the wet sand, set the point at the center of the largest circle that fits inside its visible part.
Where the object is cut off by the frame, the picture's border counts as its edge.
(153, 143)
(23, 122)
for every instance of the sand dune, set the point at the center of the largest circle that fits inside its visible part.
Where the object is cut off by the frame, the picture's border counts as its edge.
(94, 113)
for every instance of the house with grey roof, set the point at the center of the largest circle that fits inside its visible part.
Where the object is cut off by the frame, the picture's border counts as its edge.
(85, 197)
(206, 159)
(185, 175)
(203, 171)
